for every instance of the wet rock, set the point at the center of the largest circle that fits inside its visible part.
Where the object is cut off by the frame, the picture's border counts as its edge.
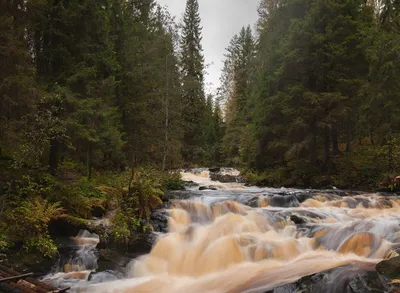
(302, 197)
(297, 220)
(105, 276)
(190, 184)
(70, 226)
(214, 169)
(389, 268)
(347, 279)
(284, 201)
(182, 195)
(370, 282)
(114, 257)
(252, 202)
(139, 245)
(207, 188)
(159, 221)
(98, 211)
(223, 178)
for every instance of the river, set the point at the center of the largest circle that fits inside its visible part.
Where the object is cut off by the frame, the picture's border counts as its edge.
(247, 239)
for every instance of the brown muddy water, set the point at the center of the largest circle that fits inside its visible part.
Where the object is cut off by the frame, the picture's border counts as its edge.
(247, 239)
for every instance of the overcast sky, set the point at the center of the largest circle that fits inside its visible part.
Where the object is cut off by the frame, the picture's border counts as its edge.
(221, 19)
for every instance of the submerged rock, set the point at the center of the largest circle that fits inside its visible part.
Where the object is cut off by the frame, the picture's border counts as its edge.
(207, 188)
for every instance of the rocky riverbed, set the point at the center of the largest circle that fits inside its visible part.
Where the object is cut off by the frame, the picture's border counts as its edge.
(233, 238)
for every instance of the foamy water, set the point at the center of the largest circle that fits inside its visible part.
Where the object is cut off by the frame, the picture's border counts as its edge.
(224, 246)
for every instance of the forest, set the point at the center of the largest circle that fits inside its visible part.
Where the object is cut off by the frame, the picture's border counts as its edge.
(101, 100)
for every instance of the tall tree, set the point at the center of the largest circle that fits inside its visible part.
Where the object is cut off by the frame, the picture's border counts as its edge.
(82, 71)
(192, 64)
(19, 91)
(149, 85)
(236, 91)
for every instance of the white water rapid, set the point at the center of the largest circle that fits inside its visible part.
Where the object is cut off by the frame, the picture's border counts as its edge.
(244, 239)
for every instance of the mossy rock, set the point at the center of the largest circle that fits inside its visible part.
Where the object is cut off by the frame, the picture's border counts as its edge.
(32, 261)
(70, 226)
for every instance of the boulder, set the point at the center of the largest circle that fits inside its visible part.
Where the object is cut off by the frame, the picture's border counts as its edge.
(214, 169)
(159, 221)
(284, 201)
(190, 184)
(389, 268)
(223, 178)
(298, 220)
(113, 257)
(346, 279)
(70, 226)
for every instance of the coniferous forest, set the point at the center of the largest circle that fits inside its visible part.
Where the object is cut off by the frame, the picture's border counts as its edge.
(100, 99)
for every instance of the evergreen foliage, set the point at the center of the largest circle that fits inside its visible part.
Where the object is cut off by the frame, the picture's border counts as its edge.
(193, 96)
(323, 91)
(91, 91)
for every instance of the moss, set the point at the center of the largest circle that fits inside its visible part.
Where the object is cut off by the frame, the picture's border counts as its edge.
(34, 260)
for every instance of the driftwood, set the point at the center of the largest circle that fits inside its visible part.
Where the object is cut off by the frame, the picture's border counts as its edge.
(13, 281)
(15, 278)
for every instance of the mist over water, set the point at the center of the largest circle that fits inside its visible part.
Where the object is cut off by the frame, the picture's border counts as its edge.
(240, 239)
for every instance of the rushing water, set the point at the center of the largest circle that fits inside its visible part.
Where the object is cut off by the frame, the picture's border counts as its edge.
(241, 239)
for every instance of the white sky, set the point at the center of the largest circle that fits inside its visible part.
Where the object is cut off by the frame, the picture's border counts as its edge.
(221, 19)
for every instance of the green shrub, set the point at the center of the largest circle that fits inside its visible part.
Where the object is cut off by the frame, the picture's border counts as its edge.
(4, 243)
(172, 181)
(134, 202)
(362, 168)
(79, 198)
(28, 224)
(124, 224)
(145, 193)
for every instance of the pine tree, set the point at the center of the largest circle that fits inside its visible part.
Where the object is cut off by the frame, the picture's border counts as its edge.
(192, 63)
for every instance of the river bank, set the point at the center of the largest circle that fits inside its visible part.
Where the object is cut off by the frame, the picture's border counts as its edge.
(234, 238)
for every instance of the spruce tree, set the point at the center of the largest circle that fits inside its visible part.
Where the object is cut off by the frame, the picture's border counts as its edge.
(19, 90)
(82, 72)
(192, 64)
(236, 91)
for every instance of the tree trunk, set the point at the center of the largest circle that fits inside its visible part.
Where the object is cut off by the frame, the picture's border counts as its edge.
(390, 155)
(313, 146)
(131, 178)
(335, 141)
(166, 112)
(53, 156)
(348, 136)
(327, 146)
(89, 160)
(371, 137)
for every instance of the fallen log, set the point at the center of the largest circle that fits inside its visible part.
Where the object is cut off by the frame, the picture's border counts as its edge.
(15, 278)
